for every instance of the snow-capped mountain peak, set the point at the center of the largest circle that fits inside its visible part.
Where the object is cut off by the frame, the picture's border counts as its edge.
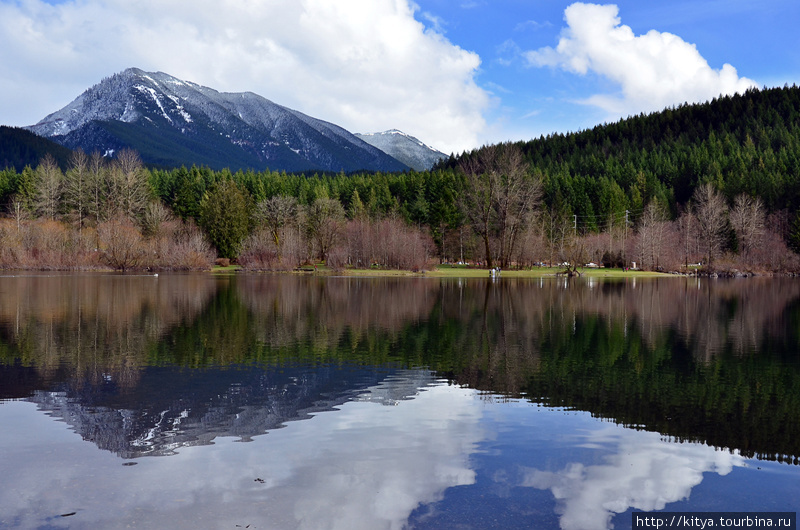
(404, 148)
(175, 122)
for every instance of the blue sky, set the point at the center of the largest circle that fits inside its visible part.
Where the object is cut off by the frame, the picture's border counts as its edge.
(759, 39)
(455, 73)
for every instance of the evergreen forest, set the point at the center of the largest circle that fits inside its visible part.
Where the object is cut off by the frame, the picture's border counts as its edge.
(713, 185)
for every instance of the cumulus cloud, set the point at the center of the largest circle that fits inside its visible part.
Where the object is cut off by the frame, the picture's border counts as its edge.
(645, 473)
(654, 70)
(367, 65)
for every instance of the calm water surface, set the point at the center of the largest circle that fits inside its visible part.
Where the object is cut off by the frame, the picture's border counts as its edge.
(281, 402)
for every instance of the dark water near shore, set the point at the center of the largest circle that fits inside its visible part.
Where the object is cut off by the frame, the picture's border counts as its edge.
(199, 401)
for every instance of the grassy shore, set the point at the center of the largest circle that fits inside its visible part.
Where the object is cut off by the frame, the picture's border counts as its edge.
(537, 272)
(462, 271)
(229, 268)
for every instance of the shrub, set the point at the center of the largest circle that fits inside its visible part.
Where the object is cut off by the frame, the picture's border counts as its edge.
(389, 243)
(46, 245)
(261, 253)
(121, 243)
(179, 245)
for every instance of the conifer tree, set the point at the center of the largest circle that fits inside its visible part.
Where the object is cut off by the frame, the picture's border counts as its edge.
(225, 217)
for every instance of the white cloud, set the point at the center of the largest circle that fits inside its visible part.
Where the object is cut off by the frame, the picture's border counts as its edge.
(367, 65)
(645, 472)
(532, 25)
(437, 23)
(653, 71)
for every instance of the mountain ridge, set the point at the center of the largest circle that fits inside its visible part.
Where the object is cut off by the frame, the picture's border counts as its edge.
(173, 122)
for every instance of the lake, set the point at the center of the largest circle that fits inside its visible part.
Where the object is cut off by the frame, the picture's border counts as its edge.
(282, 401)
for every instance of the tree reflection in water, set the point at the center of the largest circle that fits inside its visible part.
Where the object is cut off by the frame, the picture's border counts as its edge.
(694, 359)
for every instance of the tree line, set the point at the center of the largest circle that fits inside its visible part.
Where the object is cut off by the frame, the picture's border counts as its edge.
(716, 184)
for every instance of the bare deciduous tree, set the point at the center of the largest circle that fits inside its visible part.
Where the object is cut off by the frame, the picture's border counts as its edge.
(17, 209)
(651, 230)
(276, 215)
(129, 190)
(686, 228)
(324, 224)
(98, 185)
(747, 218)
(387, 242)
(711, 213)
(518, 194)
(559, 233)
(121, 243)
(48, 187)
(476, 202)
(155, 215)
(500, 198)
(76, 187)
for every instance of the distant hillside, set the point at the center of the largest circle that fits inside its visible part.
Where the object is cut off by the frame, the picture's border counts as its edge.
(171, 122)
(20, 148)
(404, 148)
(746, 143)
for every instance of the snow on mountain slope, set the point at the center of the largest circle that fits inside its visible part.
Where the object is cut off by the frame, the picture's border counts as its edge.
(404, 148)
(174, 122)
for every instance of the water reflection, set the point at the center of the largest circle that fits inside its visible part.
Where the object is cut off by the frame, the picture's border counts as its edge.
(174, 408)
(91, 328)
(642, 471)
(127, 360)
(362, 466)
(386, 403)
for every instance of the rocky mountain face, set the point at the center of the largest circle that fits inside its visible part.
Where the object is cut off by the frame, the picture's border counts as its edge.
(171, 122)
(404, 148)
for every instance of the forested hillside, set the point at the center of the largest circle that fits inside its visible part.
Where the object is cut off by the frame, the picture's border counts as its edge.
(741, 144)
(20, 148)
(716, 184)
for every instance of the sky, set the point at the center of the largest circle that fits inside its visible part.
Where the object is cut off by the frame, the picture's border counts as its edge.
(456, 74)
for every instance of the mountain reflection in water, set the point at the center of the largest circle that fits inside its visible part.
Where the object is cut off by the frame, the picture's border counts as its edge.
(698, 376)
(362, 466)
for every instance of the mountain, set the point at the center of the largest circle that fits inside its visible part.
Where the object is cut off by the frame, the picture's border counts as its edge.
(20, 148)
(171, 122)
(404, 148)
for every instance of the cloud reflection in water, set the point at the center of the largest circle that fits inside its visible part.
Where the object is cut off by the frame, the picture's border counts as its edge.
(363, 466)
(645, 472)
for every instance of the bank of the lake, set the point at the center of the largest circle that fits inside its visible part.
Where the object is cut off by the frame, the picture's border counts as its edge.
(456, 271)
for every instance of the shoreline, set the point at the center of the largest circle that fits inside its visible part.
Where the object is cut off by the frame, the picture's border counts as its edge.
(458, 272)
(437, 272)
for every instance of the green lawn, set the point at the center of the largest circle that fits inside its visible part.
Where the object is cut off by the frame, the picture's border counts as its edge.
(462, 271)
(229, 268)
